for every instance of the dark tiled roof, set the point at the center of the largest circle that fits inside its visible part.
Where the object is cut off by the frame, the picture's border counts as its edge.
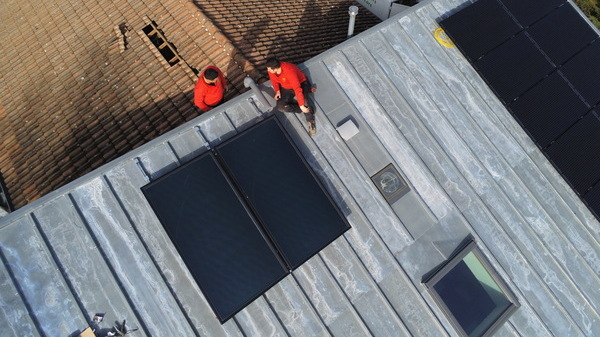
(72, 99)
(292, 30)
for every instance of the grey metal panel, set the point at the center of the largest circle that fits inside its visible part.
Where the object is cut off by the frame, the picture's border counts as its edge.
(294, 310)
(158, 160)
(258, 319)
(188, 144)
(92, 281)
(126, 180)
(14, 316)
(129, 259)
(39, 280)
(328, 299)
(216, 128)
(368, 300)
(243, 115)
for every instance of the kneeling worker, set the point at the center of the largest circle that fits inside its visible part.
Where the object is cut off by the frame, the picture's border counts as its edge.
(289, 81)
(209, 90)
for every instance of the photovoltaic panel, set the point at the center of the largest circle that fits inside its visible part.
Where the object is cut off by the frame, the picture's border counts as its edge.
(513, 67)
(480, 27)
(215, 235)
(592, 198)
(527, 12)
(583, 71)
(562, 33)
(292, 206)
(577, 151)
(548, 109)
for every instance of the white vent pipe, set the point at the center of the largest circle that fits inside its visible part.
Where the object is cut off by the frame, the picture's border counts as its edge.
(353, 11)
(249, 83)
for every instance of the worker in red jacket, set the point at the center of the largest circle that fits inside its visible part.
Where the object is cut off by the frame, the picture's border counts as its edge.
(289, 82)
(209, 90)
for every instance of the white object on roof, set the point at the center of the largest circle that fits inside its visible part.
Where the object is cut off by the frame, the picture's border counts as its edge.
(348, 130)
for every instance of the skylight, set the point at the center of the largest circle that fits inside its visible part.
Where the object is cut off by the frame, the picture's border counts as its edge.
(472, 296)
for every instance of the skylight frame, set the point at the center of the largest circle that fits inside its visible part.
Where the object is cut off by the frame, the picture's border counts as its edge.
(434, 277)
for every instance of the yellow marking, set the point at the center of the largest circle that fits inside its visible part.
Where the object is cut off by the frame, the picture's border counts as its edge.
(442, 38)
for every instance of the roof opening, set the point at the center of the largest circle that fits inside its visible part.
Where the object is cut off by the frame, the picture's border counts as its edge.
(159, 40)
(470, 293)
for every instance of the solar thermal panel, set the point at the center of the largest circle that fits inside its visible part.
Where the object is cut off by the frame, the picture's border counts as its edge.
(548, 109)
(215, 235)
(583, 71)
(513, 67)
(480, 27)
(576, 153)
(562, 33)
(526, 12)
(293, 207)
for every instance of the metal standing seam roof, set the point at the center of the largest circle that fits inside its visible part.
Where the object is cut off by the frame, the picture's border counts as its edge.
(95, 245)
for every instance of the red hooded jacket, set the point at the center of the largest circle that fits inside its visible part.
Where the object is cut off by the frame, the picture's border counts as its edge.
(290, 78)
(206, 96)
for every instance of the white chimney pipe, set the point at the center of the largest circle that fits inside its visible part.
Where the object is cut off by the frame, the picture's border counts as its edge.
(353, 11)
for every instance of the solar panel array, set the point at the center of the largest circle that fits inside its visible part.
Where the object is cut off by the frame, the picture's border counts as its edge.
(542, 60)
(244, 215)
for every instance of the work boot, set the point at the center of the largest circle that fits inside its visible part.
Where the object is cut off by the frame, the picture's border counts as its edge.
(312, 128)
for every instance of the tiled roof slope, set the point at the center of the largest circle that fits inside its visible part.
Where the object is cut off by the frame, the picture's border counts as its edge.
(292, 30)
(71, 99)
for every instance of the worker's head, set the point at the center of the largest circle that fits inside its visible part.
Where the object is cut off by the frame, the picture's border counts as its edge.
(273, 65)
(210, 76)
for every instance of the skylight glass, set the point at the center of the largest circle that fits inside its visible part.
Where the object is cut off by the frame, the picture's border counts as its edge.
(471, 294)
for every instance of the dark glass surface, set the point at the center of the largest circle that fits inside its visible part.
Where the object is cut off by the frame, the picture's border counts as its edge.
(527, 12)
(562, 33)
(290, 203)
(548, 109)
(513, 67)
(479, 28)
(577, 151)
(583, 71)
(592, 198)
(215, 236)
(465, 296)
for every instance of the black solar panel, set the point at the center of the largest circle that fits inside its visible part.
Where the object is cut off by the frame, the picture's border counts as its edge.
(242, 216)
(527, 12)
(577, 151)
(548, 109)
(480, 27)
(583, 71)
(547, 75)
(561, 41)
(217, 238)
(592, 198)
(292, 206)
(513, 67)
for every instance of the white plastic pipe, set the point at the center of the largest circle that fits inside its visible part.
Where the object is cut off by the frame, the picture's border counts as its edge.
(249, 83)
(353, 11)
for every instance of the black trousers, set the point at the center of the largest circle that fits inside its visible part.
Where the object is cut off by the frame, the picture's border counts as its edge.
(287, 103)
